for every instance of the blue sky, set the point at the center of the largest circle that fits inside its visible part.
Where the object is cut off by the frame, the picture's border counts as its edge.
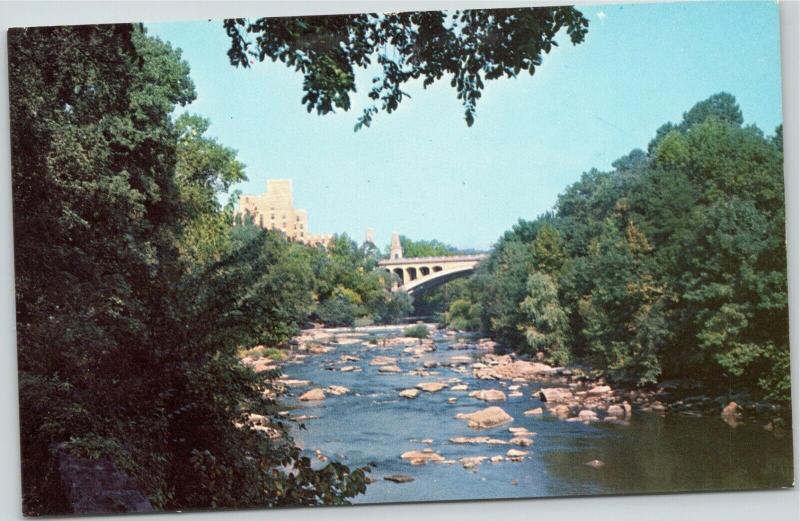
(423, 173)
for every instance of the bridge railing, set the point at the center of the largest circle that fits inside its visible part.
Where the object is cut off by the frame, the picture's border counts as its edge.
(418, 260)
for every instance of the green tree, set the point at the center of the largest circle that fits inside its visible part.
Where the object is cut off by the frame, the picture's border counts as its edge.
(133, 295)
(546, 323)
(469, 47)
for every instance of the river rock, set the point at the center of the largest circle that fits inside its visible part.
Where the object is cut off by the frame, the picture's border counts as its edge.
(477, 439)
(496, 459)
(399, 478)
(263, 365)
(430, 364)
(595, 464)
(459, 387)
(347, 368)
(383, 360)
(452, 399)
(515, 394)
(560, 411)
(337, 390)
(459, 360)
(587, 416)
(522, 442)
(504, 368)
(313, 395)
(485, 418)
(409, 393)
(534, 412)
(288, 382)
(617, 411)
(431, 387)
(319, 350)
(555, 395)
(389, 369)
(514, 453)
(416, 457)
(472, 461)
(732, 409)
(598, 390)
(731, 414)
(489, 395)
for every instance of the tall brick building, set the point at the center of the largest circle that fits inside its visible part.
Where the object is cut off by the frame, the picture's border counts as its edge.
(274, 210)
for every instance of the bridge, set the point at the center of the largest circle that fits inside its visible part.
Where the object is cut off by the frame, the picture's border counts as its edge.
(420, 274)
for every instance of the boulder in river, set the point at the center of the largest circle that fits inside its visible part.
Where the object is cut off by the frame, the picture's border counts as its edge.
(587, 416)
(522, 442)
(431, 387)
(514, 453)
(489, 395)
(409, 393)
(289, 382)
(555, 395)
(560, 411)
(472, 461)
(534, 412)
(477, 439)
(383, 360)
(459, 387)
(416, 457)
(347, 368)
(598, 390)
(399, 478)
(389, 369)
(313, 395)
(485, 418)
(337, 390)
(616, 411)
(595, 464)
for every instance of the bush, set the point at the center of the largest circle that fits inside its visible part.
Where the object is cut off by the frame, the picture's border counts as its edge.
(417, 331)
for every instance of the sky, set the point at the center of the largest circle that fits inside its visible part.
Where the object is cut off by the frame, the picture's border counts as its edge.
(423, 173)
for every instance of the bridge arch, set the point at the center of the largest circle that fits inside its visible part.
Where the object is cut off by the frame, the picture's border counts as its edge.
(422, 274)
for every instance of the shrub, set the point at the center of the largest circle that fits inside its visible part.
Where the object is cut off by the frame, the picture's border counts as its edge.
(417, 331)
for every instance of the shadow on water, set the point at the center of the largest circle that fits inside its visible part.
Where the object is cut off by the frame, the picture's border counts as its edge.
(676, 453)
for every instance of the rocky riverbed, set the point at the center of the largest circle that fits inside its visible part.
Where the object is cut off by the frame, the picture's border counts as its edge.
(447, 418)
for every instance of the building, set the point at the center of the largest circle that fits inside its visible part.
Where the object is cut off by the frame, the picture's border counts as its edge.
(274, 210)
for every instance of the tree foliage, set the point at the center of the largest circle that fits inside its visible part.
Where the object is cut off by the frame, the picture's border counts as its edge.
(134, 292)
(673, 264)
(468, 47)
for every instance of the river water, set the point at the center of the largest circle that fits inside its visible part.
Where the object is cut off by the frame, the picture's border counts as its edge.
(373, 425)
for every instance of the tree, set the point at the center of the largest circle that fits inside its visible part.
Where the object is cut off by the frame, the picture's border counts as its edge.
(133, 292)
(469, 46)
(422, 248)
(673, 264)
(546, 322)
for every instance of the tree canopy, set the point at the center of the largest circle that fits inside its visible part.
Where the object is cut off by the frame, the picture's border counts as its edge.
(468, 47)
(673, 264)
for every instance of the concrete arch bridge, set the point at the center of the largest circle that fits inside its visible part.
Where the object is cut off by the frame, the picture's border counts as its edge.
(422, 274)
